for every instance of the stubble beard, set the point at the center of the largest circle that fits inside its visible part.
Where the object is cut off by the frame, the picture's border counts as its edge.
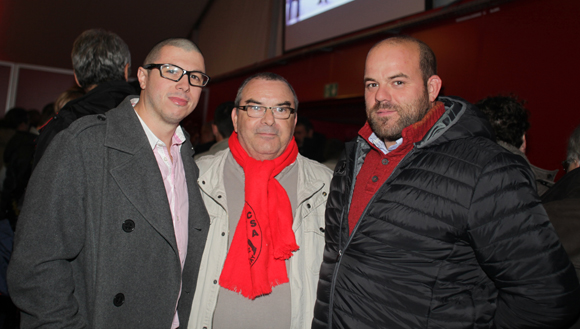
(408, 114)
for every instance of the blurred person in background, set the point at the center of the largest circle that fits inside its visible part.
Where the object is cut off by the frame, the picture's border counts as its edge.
(206, 138)
(562, 203)
(310, 143)
(102, 63)
(46, 115)
(34, 118)
(222, 127)
(17, 157)
(510, 122)
(8, 126)
(67, 96)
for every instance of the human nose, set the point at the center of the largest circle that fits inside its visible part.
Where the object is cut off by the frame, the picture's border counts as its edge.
(383, 94)
(268, 117)
(183, 83)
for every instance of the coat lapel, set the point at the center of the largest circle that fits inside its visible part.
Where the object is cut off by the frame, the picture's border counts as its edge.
(137, 173)
(198, 218)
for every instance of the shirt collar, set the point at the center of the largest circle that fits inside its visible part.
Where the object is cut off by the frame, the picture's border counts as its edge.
(382, 146)
(178, 136)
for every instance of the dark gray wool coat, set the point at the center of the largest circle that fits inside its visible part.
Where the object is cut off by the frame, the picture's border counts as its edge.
(94, 245)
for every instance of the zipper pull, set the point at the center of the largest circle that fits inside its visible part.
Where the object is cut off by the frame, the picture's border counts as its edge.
(339, 254)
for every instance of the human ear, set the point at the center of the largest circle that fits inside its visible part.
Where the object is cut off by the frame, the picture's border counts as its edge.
(433, 87)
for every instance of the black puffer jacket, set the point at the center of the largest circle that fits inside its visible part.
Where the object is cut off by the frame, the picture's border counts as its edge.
(455, 238)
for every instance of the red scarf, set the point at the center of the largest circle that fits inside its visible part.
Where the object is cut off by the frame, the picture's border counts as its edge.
(263, 239)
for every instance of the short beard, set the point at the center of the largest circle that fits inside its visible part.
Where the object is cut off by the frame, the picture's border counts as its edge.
(408, 115)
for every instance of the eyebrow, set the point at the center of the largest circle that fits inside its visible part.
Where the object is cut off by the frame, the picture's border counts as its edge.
(251, 100)
(286, 103)
(400, 75)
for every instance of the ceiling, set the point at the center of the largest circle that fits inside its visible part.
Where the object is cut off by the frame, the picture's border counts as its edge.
(42, 32)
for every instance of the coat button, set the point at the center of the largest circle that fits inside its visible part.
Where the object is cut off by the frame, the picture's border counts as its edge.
(308, 205)
(223, 233)
(219, 196)
(128, 226)
(324, 193)
(101, 117)
(375, 179)
(214, 281)
(385, 161)
(322, 229)
(119, 299)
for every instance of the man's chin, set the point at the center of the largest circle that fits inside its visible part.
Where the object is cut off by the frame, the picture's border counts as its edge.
(388, 136)
(383, 132)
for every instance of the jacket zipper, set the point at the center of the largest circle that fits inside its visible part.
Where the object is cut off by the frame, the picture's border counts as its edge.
(340, 250)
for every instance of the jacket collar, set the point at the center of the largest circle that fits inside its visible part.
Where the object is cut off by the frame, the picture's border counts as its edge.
(118, 136)
(127, 140)
(211, 182)
(460, 120)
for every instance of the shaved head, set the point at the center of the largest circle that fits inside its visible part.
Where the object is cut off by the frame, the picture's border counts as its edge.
(427, 59)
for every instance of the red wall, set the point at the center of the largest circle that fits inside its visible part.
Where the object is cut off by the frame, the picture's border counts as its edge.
(528, 47)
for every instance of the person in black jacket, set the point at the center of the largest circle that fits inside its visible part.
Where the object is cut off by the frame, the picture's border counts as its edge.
(102, 63)
(429, 222)
(562, 203)
(509, 120)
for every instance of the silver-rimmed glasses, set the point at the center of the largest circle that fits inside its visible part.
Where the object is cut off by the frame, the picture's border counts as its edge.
(257, 111)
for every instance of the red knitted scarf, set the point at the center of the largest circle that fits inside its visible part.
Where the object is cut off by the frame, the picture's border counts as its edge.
(263, 239)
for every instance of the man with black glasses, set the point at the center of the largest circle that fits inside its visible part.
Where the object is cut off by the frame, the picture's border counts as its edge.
(266, 204)
(113, 225)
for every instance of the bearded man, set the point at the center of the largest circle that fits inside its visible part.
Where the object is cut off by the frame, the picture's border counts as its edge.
(429, 223)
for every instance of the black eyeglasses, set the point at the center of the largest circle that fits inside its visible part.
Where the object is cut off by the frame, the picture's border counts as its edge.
(256, 111)
(175, 73)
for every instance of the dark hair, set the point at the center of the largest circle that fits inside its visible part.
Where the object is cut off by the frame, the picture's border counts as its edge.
(427, 59)
(573, 154)
(305, 122)
(99, 56)
(508, 117)
(33, 117)
(15, 116)
(184, 44)
(269, 76)
(222, 118)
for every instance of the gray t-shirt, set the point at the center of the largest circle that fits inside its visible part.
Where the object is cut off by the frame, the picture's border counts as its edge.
(233, 310)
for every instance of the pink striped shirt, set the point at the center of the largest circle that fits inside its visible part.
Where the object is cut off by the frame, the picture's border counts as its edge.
(173, 175)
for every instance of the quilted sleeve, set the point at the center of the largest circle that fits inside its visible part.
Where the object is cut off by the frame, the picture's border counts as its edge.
(518, 249)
